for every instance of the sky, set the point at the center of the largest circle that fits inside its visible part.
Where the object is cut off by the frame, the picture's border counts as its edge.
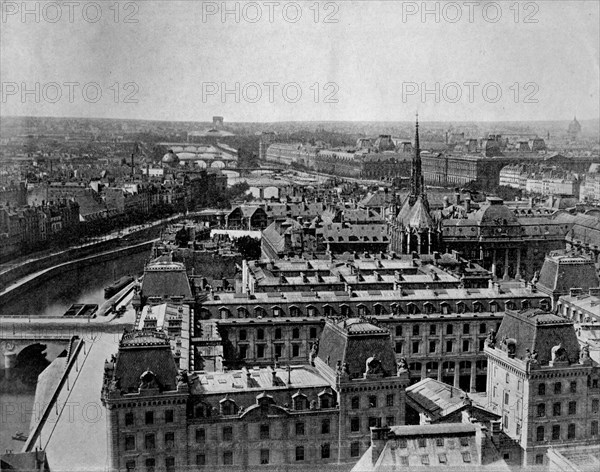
(301, 61)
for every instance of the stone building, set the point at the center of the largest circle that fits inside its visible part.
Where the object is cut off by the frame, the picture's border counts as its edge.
(311, 413)
(543, 384)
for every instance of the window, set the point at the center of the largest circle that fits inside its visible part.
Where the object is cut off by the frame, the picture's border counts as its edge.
(243, 335)
(556, 432)
(415, 347)
(557, 388)
(542, 389)
(372, 401)
(541, 410)
(399, 347)
(573, 387)
(299, 428)
(355, 403)
(539, 435)
(432, 330)
(466, 328)
(507, 377)
(149, 417)
(150, 464)
(150, 441)
(398, 330)
(415, 330)
(313, 333)
(325, 426)
(129, 443)
(422, 442)
(556, 409)
(442, 458)
(227, 433)
(389, 420)
(389, 400)
(404, 460)
(228, 458)
(539, 459)
(200, 459)
(325, 451)
(170, 464)
(128, 419)
(466, 456)
(295, 350)
(431, 346)
(200, 435)
(300, 402)
(169, 440)
(278, 350)
(505, 421)
(449, 329)
(481, 344)
(278, 333)
(425, 459)
(506, 398)
(325, 403)
(264, 456)
(264, 431)
(354, 424)
(354, 449)
(449, 346)
(169, 416)
(260, 350)
(374, 422)
(296, 333)
(299, 453)
(466, 345)
(594, 428)
(312, 311)
(482, 328)
(439, 442)
(260, 334)
(595, 405)
(243, 352)
(571, 431)
(464, 442)
(130, 466)
(572, 408)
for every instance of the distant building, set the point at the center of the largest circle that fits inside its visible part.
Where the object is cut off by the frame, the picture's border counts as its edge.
(574, 129)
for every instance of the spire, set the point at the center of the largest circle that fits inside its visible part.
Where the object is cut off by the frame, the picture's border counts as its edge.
(417, 187)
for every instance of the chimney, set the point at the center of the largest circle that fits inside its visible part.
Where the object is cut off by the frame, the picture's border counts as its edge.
(274, 377)
(575, 292)
(468, 204)
(457, 196)
(595, 291)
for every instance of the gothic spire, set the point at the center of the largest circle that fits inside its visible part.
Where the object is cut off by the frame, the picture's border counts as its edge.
(417, 188)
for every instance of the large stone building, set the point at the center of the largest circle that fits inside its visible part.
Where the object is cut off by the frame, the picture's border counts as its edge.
(316, 413)
(543, 384)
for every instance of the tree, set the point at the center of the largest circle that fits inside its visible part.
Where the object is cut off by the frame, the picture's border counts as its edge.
(248, 247)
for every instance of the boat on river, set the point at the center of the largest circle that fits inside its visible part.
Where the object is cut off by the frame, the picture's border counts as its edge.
(117, 286)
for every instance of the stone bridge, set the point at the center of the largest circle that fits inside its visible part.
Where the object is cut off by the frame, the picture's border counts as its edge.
(19, 337)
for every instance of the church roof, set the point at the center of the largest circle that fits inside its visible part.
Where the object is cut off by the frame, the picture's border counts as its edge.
(415, 216)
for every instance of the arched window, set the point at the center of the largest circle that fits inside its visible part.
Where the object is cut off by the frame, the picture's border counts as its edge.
(300, 402)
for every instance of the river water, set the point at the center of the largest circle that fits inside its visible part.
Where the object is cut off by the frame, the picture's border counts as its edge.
(53, 298)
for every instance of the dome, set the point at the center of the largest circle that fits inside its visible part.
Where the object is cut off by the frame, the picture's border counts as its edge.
(495, 213)
(170, 158)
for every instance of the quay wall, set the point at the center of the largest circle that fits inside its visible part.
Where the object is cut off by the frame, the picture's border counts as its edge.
(25, 287)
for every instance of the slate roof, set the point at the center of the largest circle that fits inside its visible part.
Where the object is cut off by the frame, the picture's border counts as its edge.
(561, 272)
(538, 330)
(353, 341)
(166, 279)
(145, 350)
(437, 398)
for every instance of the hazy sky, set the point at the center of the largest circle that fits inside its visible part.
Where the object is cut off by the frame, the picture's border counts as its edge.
(350, 60)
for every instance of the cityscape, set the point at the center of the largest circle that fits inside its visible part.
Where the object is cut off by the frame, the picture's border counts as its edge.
(350, 236)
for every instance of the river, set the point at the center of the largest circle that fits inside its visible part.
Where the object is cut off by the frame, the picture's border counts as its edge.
(53, 298)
